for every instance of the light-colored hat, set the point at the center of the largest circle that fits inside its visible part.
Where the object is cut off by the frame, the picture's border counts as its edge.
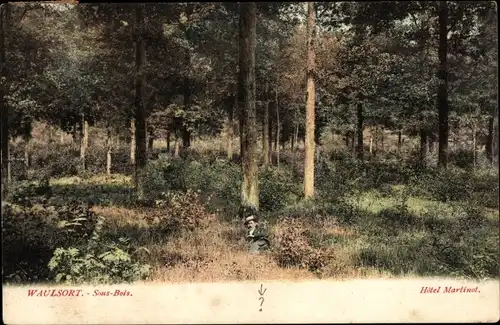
(250, 218)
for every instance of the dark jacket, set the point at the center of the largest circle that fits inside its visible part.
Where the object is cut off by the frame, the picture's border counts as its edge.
(258, 239)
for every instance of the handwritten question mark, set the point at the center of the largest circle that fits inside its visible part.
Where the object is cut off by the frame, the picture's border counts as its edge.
(261, 292)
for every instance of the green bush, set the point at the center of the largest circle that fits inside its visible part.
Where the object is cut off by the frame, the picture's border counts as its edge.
(61, 160)
(44, 241)
(27, 193)
(181, 211)
(335, 180)
(461, 158)
(278, 189)
(97, 263)
(31, 233)
(216, 179)
(56, 160)
(292, 247)
(456, 185)
(463, 244)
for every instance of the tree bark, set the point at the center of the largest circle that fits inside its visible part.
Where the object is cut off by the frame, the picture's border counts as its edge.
(150, 137)
(140, 112)
(359, 131)
(310, 109)
(431, 141)
(230, 130)
(442, 97)
(168, 141)
(423, 147)
(246, 99)
(4, 109)
(382, 139)
(265, 128)
(186, 137)
(271, 135)
(133, 141)
(109, 147)
(74, 133)
(277, 143)
(84, 141)
(177, 146)
(494, 142)
(151, 141)
(353, 143)
(346, 139)
(399, 141)
(489, 140)
(185, 133)
(26, 153)
(296, 137)
(86, 133)
(276, 131)
(474, 145)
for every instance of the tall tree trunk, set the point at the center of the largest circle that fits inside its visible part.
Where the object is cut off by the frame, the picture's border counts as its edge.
(371, 144)
(265, 128)
(9, 169)
(359, 131)
(442, 97)
(277, 143)
(246, 99)
(109, 147)
(86, 133)
(353, 143)
(347, 136)
(151, 141)
(285, 130)
(168, 141)
(26, 152)
(84, 142)
(230, 129)
(186, 137)
(276, 132)
(382, 139)
(50, 133)
(296, 137)
(399, 141)
(489, 140)
(150, 137)
(133, 141)
(271, 135)
(423, 147)
(474, 145)
(494, 142)
(74, 133)
(140, 111)
(185, 133)
(431, 141)
(4, 109)
(310, 109)
(177, 146)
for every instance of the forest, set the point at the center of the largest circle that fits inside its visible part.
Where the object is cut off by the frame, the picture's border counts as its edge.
(136, 139)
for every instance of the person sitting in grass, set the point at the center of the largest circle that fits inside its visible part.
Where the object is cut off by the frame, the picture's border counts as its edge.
(257, 236)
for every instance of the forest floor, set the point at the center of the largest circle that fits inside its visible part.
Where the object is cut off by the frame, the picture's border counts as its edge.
(217, 252)
(377, 219)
